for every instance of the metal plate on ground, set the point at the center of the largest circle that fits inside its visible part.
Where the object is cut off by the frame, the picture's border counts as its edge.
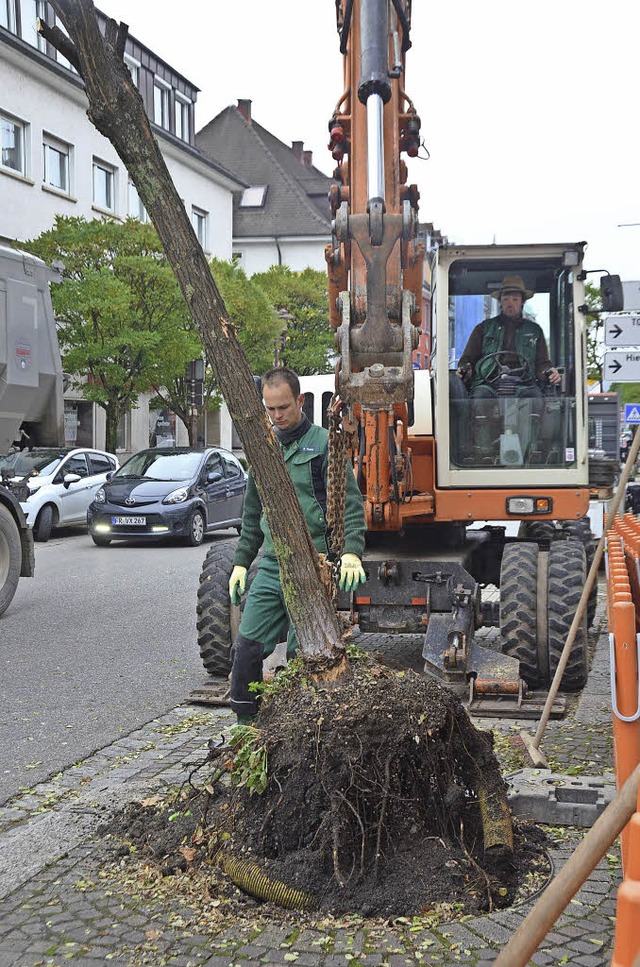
(217, 693)
(505, 707)
(557, 799)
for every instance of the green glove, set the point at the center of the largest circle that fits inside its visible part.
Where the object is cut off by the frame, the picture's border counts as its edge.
(237, 583)
(351, 572)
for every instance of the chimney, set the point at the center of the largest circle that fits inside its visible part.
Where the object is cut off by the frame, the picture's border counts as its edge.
(297, 148)
(308, 158)
(244, 106)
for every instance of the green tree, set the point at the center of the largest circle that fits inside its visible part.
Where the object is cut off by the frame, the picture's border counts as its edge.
(123, 322)
(309, 340)
(257, 327)
(595, 333)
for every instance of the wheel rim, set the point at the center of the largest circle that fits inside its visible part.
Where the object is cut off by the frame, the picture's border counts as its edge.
(197, 527)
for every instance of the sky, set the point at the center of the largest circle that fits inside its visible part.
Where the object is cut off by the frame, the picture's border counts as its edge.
(529, 109)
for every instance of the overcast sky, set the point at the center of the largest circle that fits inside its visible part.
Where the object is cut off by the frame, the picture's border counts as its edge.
(529, 109)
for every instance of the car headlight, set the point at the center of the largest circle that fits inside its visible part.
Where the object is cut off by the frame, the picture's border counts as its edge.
(177, 496)
(99, 496)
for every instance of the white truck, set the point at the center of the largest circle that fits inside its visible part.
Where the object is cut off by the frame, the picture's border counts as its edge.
(31, 397)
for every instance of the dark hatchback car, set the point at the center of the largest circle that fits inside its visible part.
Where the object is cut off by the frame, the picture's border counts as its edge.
(167, 492)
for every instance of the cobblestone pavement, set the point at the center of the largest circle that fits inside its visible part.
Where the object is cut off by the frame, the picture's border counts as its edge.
(56, 906)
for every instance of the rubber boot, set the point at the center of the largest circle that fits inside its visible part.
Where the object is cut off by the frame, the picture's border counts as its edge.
(246, 668)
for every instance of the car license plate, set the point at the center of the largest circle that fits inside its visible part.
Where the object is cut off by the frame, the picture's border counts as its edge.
(129, 521)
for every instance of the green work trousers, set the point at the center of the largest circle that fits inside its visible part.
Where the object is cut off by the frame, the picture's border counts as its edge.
(265, 617)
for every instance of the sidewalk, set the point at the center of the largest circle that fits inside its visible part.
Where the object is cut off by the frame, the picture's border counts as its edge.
(55, 909)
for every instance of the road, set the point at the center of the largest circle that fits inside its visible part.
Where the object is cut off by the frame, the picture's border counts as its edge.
(99, 642)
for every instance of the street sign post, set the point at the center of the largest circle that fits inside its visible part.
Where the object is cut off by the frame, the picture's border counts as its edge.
(622, 367)
(622, 331)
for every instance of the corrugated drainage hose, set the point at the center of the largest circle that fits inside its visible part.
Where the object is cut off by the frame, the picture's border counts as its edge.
(252, 878)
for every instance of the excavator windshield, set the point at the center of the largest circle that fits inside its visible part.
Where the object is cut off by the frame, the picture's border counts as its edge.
(512, 364)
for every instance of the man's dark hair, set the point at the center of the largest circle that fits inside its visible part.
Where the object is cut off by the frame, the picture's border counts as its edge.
(283, 375)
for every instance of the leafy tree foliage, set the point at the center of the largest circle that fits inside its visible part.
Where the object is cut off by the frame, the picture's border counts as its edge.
(124, 327)
(308, 342)
(595, 333)
(123, 322)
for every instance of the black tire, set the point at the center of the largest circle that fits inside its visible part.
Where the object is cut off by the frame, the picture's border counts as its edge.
(580, 530)
(43, 525)
(217, 619)
(518, 609)
(565, 581)
(100, 541)
(10, 558)
(540, 531)
(197, 526)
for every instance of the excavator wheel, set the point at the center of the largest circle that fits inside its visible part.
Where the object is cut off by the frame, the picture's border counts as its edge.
(540, 531)
(518, 609)
(580, 530)
(566, 575)
(217, 619)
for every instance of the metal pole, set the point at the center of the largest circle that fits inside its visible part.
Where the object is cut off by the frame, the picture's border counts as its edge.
(375, 148)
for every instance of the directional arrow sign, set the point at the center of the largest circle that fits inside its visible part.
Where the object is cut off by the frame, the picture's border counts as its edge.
(622, 331)
(622, 367)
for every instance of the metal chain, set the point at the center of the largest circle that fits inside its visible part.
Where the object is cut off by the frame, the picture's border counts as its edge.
(336, 480)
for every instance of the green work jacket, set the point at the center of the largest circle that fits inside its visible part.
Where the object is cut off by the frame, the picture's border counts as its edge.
(527, 336)
(306, 461)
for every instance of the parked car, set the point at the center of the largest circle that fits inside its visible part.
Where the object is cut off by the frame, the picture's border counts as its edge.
(165, 492)
(61, 481)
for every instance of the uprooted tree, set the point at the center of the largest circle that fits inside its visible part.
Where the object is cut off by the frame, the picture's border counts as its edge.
(378, 758)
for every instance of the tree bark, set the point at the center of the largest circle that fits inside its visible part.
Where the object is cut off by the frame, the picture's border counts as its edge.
(117, 111)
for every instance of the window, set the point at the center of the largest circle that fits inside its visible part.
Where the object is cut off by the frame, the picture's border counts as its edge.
(199, 220)
(123, 431)
(30, 11)
(214, 464)
(254, 196)
(76, 464)
(100, 464)
(161, 103)
(232, 468)
(103, 185)
(135, 207)
(12, 136)
(182, 118)
(134, 68)
(55, 164)
(8, 14)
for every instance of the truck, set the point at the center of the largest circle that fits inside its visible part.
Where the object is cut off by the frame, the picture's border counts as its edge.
(459, 495)
(31, 397)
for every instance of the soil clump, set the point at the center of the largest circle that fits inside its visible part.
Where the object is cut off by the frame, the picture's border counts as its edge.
(360, 796)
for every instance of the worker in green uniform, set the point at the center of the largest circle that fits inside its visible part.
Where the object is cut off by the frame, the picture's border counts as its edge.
(265, 620)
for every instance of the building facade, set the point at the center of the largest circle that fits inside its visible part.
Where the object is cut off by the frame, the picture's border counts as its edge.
(53, 161)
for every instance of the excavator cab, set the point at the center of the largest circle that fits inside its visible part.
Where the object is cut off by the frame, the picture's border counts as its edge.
(500, 420)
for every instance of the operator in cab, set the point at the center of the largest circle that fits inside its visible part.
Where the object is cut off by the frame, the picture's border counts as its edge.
(509, 342)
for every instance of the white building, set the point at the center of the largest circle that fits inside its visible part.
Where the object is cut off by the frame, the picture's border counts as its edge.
(53, 161)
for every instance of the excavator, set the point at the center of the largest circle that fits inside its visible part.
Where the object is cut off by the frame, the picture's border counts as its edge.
(435, 466)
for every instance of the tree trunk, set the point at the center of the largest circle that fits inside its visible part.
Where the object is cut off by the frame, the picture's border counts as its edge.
(117, 111)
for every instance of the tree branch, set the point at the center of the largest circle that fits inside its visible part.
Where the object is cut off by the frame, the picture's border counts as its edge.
(55, 37)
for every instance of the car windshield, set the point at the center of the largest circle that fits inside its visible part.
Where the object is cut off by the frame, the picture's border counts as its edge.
(161, 466)
(42, 462)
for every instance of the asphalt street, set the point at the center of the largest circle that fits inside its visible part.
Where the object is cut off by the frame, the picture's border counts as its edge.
(99, 642)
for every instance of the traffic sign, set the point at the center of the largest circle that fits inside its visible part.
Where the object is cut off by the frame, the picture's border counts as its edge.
(632, 412)
(622, 367)
(622, 330)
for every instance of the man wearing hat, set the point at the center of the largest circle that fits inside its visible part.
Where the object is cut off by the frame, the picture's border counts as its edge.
(509, 339)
